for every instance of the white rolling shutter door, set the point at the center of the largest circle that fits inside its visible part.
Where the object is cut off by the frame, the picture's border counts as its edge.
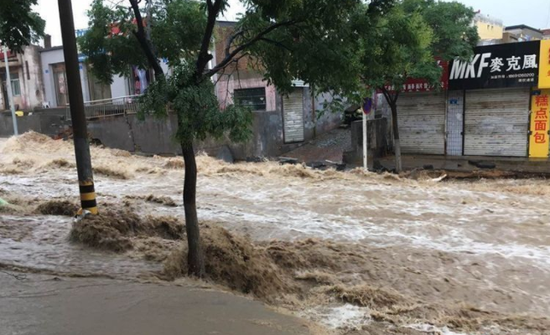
(293, 109)
(497, 122)
(421, 120)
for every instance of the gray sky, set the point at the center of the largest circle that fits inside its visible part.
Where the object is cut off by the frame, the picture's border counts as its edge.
(535, 13)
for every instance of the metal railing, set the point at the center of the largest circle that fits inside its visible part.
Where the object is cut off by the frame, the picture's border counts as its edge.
(98, 109)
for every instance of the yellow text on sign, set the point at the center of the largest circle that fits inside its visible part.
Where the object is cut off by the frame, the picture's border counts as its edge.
(539, 142)
(544, 64)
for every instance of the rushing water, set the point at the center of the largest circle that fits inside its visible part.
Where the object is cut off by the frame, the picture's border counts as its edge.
(503, 227)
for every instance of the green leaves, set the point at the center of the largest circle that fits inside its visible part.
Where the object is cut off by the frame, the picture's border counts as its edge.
(178, 29)
(109, 42)
(197, 108)
(408, 39)
(320, 47)
(19, 24)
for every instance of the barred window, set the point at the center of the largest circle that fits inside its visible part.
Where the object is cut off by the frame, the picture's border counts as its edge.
(251, 97)
(15, 87)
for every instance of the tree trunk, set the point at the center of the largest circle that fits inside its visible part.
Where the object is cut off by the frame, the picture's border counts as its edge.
(396, 141)
(195, 257)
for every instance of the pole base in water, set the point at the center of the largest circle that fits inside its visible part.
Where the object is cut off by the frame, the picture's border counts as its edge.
(88, 198)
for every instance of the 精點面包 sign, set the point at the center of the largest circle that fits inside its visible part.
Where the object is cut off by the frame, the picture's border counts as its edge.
(538, 141)
(497, 66)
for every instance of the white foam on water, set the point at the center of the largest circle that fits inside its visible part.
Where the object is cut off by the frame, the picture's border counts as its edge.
(346, 317)
(433, 330)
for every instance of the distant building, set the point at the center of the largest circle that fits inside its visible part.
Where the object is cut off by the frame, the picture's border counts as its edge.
(26, 80)
(525, 33)
(546, 34)
(488, 28)
(55, 81)
(287, 120)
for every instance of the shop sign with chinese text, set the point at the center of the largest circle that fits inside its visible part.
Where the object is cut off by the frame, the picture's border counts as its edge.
(544, 68)
(497, 66)
(538, 141)
(422, 85)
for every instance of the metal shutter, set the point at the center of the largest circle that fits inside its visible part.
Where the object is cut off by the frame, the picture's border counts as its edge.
(497, 122)
(293, 109)
(421, 120)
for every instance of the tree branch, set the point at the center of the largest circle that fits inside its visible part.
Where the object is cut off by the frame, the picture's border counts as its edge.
(386, 94)
(145, 43)
(277, 43)
(204, 55)
(231, 40)
(243, 46)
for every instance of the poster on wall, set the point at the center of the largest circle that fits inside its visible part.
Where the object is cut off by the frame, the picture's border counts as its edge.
(497, 66)
(539, 143)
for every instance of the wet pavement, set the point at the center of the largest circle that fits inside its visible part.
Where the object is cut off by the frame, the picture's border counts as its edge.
(47, 305)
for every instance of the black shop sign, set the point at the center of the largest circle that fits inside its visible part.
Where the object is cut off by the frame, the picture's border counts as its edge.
(497, 66)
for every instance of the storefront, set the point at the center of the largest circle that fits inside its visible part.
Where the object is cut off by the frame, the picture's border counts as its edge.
(496, 104)
(422, 115)
(497, 83)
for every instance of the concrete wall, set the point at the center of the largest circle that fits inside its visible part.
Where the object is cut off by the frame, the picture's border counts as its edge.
(317, 122)
(376, 143)
(24, 124)
(156, 136)
(51, 122)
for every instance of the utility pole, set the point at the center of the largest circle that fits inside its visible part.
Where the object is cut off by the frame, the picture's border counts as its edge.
(10, 92)
(78, 116)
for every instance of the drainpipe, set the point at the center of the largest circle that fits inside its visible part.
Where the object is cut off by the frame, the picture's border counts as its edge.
(10, 93)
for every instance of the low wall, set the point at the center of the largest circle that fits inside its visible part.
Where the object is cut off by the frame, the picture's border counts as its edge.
(378, 147)
(153, 136)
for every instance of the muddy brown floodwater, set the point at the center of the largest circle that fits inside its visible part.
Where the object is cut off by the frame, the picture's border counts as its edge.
(362, 252)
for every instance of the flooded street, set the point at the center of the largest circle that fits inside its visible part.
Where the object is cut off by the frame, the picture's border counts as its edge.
(484, 244)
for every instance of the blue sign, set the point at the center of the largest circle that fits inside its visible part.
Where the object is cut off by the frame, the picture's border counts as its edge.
(367, 106)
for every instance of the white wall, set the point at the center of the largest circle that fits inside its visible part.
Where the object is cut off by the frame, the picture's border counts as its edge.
(55, 56)
(119, 88)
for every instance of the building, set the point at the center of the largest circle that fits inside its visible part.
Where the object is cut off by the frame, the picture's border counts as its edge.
(488, 28)
(26, 79)
(55, 81)
(289, 120)
(525, 33)
(495, 105)
(546, 34)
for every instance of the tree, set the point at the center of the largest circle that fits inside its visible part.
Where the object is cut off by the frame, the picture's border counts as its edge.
(19, 24)
(182, 31)
(406, 43)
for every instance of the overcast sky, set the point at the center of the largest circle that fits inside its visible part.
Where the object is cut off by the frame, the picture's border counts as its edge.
(535, 13)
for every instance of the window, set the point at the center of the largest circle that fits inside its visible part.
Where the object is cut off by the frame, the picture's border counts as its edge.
(15, 87)
(251, 97)
(60, 82)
